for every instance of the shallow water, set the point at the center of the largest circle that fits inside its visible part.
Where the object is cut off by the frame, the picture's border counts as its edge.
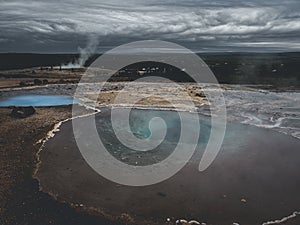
(255, 164)
(139, 126)
(37, 100)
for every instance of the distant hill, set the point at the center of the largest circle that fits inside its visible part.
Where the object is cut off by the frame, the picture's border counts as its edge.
(10, 61)
(279, 69)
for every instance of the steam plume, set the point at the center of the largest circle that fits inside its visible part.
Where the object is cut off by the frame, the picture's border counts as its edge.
(85, 53)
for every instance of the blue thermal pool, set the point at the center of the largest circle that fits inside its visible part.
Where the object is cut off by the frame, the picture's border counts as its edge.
(37, 100)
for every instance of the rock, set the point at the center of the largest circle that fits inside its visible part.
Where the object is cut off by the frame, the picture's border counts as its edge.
(243, 200)
(126, 218)
(45, 81)
(22, 84)
(200, 94)
(185, 222)
(37, 82)
(22, 112)
(161, 194)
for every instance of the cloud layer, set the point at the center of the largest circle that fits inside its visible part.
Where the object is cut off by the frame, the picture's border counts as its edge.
(62, 26)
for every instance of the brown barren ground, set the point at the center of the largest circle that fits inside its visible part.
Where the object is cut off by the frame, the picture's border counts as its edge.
(21, 202)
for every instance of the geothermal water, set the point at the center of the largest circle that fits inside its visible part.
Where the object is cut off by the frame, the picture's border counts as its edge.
(254, 179)
(279, 111)
(139, 125)
(37, 100)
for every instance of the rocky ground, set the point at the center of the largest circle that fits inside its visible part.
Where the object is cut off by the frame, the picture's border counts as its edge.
(38, 76)
(21, 202)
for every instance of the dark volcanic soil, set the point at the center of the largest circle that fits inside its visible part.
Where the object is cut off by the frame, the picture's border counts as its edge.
(21, 202)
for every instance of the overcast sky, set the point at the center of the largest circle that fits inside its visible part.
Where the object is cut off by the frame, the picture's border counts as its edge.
(210, 25)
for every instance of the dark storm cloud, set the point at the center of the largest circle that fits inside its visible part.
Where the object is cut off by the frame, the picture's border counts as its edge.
(59, 26)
